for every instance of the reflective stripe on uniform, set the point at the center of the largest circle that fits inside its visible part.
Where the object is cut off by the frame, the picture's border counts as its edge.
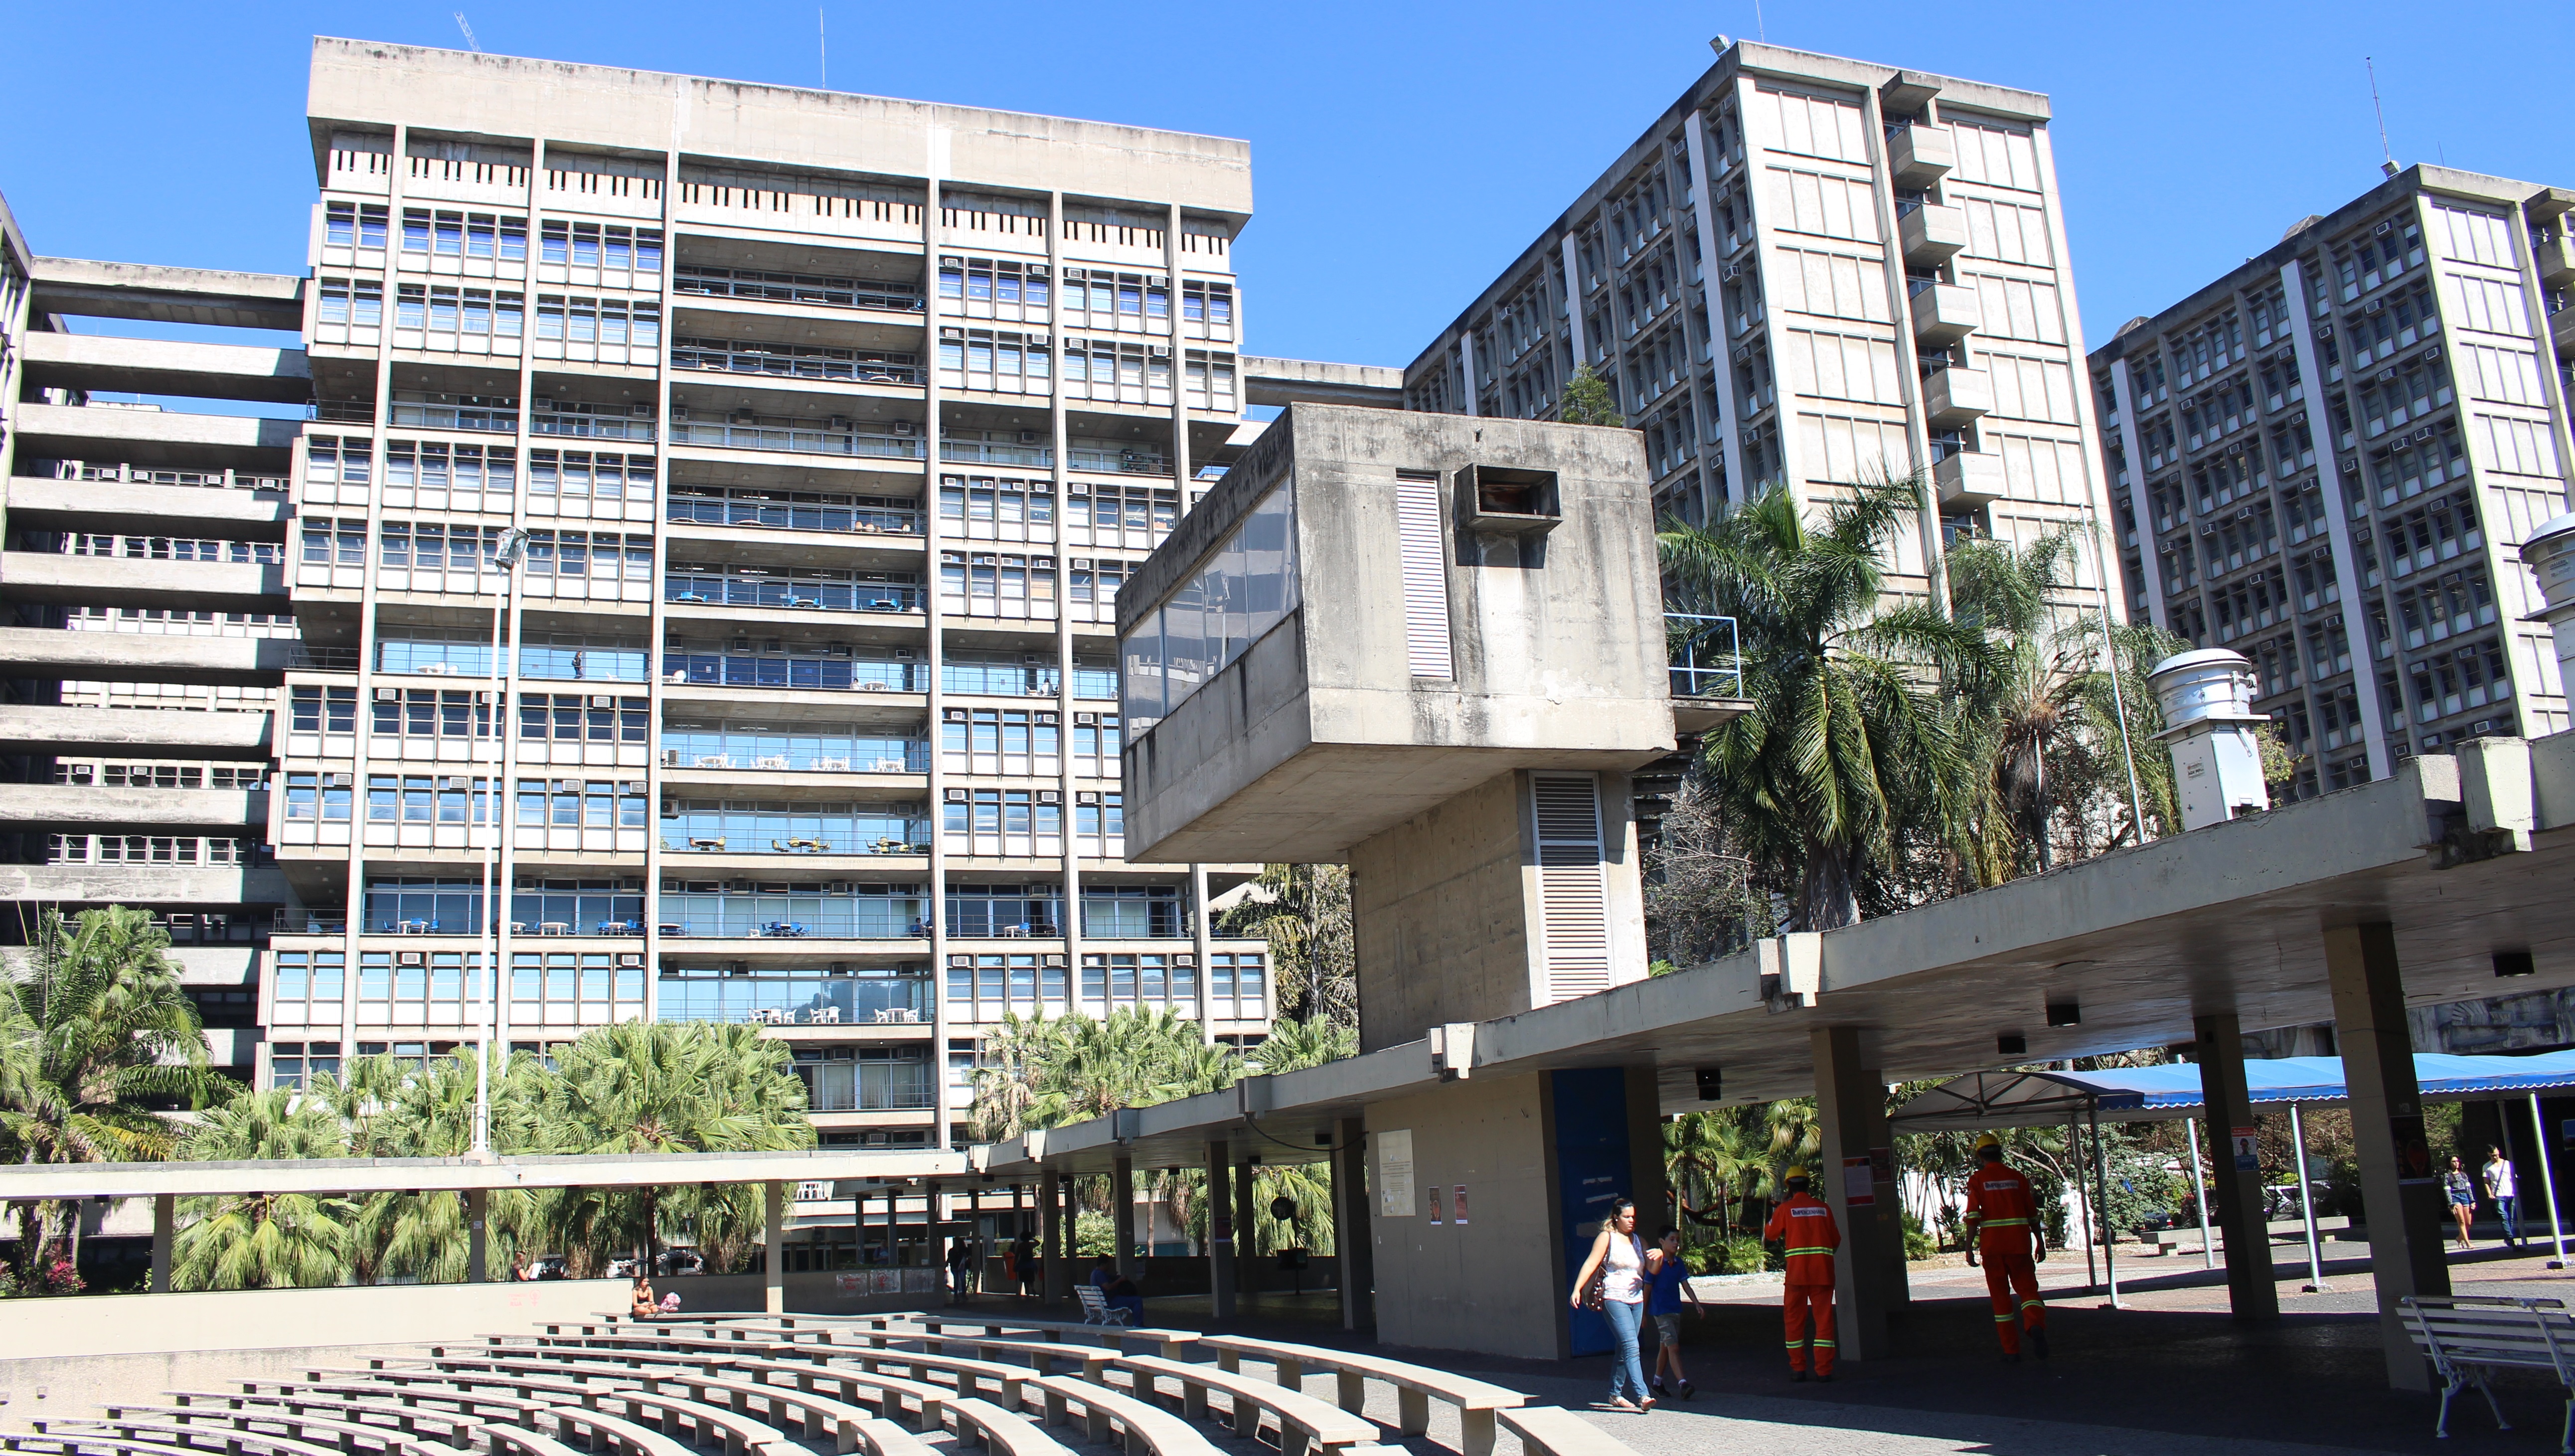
(1792, 1253)
(2004, 1222)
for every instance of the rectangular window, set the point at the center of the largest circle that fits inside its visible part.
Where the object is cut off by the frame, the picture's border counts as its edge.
(1425, 574)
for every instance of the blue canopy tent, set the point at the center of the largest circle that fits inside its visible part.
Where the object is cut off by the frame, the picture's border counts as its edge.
(1984, 1101)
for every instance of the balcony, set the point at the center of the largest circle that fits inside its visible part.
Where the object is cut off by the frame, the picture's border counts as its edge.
(812, 590)
(824, 829)
(455, 411)
(2561, 329)
(1944, 312)
(1969, 478)
(796, 288)
(2553, 252)
(804, 1000)
(1932, 235)
(790, 510)
(1952, 397)
(1919, 155)
(713, 667)
(797, 440)
(717, 749)
(583, 425)
(794, 361)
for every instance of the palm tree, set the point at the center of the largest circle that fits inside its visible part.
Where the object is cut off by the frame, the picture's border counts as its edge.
(1303, 912)
(1294, 1045)
(1849, 742)
(264, 1241)
(93, 1032)
(664, 1087)
(1012, 1072)
(429, 1113)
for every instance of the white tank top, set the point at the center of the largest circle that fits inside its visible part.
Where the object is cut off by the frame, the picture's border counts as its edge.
(1623, 1271)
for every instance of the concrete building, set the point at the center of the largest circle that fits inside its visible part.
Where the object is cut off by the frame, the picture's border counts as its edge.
(825, 427)
(1806, 272)
(2329, 458)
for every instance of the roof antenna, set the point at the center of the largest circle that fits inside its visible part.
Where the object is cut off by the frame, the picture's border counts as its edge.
(2389, 165)
(822, 47)
(468, 33)
(1760, 27)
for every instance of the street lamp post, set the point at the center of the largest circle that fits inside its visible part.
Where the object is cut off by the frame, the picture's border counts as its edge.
(505, 556)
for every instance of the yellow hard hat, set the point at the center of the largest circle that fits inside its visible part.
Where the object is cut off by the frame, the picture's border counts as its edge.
(1989, 1140)
(1797, 1172)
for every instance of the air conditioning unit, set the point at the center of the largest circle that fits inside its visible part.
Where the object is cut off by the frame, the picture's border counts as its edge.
(903, 427)
(840, 423)
(1050, 796)
(2426, 432)
(543, 404)
(2386, 375)
(1086, 796)
(602, 699)
(1027, 437)
(2375, 306)
(2351, 467)
(957, 796)
(902, 654)
(679, 411)
(2383, 229)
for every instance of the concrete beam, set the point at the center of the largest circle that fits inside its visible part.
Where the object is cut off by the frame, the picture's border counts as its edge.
(178, 887)
(227, 964)
(102, 807)
(124, 657)
(1313, 382)
(168, 734)
(156, 436)
(102, 581)
(459, 1174)
(163, 367)
(43, 502)
(161, 294)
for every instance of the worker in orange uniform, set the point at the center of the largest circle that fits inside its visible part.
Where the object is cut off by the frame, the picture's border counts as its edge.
(2002, 1214)
(1804, 1226)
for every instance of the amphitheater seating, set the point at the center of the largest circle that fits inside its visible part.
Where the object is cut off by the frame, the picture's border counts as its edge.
(1415, 1386)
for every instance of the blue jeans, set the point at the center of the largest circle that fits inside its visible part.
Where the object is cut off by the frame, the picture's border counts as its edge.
(1627, 1372)
(2509, 1210)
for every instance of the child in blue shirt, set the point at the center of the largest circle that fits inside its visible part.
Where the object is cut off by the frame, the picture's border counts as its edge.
(1666, 1289)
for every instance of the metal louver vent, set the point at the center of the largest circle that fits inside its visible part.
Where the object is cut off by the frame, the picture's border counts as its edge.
(1573, 902)
(1425, 574)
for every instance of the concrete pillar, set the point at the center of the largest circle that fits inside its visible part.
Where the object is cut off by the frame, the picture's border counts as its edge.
(1246, 1229)
(2399, 1187)
(165, 1229)
(1354, 1233)
(1220, 1205)
(1121, 1214)
(1054, 1242)
(2219, 1051)
(478, 1239)
(772, 1267)
(1851, 1105)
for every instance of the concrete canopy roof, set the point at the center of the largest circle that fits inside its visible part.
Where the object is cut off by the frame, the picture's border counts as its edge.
(2226, 919)
(377, 1175)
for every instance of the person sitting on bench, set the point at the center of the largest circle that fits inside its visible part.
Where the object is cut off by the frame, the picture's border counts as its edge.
(1116, 1288)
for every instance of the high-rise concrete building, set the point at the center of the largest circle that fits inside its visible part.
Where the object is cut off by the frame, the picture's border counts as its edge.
(2328, 460)
(1807, 272)
(821, 429)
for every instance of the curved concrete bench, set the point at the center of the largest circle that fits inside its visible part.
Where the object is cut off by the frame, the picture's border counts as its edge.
(886, 1392)
(743, 1436)
(406, 1418)
(1147, 1429)
(179, 1434)
(1305, 1423)
(1003, 1432)
(344, 1433)
(1552, 1430)
(1415, 1386)
(65, 1444)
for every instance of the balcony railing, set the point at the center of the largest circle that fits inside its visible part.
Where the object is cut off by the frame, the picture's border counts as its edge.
(783, 513)
(791, 361)
(590, 426)
(748, 670)
(801, 754)
(1706, 654)
(497, 421)
(83, 470)
(797, 440)
(796, 1000)
(797, 590)
(796, 288)
(1097, 459)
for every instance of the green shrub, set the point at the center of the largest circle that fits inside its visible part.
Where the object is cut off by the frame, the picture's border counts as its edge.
(1918, 1245)
(1741, 1254)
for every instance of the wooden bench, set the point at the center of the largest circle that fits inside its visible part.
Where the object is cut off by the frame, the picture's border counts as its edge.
(1146, 1428)
(2469, 1337)
(1305, 1423)
(1415, 1386)
(1552, 1430)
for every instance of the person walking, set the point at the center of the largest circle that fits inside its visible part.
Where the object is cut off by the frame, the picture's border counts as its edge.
(1623, 1263)
(2002, 1216)
(2463, 1199)
(1666, 1289)
(961, 1258)
(1803, 1226)
(2505, 1190)
(1024, 1262)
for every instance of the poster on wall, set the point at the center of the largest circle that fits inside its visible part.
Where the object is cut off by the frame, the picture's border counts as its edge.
(1394, 1173)
(1434, 1204)
(1458, 1209)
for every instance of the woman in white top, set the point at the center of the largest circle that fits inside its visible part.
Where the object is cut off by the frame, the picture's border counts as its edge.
(1622, 1261)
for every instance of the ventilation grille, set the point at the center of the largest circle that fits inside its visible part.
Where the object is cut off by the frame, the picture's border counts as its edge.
(1572, 897)
(1425, 574)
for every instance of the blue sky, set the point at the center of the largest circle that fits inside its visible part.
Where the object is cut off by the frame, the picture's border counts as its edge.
(1402, 154)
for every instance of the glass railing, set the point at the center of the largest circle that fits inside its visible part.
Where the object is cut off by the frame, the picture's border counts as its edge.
(808, 1000)
(795, 288)
(592, 427)
(791, 515)
(797, 440)
(793, 754)
(456, 416)
(746, 669)
(858, 830)
(1120, 462)
(990, 452)
(794, 916)
(1706, 654)
(787, 361)
(783, 589)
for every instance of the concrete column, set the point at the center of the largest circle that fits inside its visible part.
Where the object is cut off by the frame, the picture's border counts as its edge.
(1121, 1214)
(2220, 1054)
(773, 1267)
(1354, 1233)
(1219, 1204)
(478, 1239)
(1851, 1105)
(2398, 1186)
(1052, 1243)
(1246, 1230)
(165, 1228)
